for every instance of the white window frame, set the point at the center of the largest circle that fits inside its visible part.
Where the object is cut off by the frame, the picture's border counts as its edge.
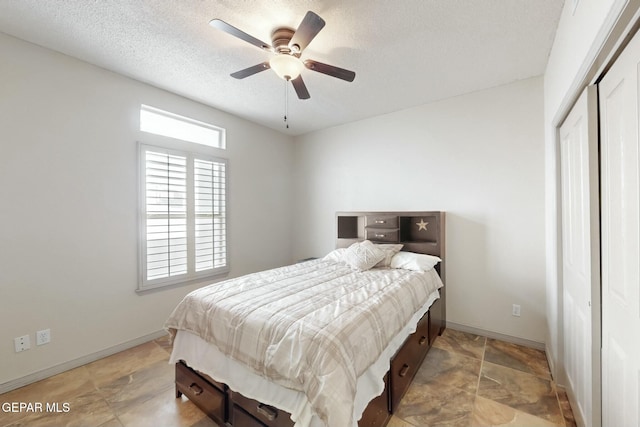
(191, 152)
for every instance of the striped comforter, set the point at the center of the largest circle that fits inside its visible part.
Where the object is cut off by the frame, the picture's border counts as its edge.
(313, 327)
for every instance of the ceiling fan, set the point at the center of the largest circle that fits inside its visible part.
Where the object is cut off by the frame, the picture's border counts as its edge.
(287, 45)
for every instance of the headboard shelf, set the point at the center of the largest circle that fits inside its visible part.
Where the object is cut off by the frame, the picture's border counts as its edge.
(350, 226)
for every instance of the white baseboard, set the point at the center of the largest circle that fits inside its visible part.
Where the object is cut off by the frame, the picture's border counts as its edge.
(75, 363)
(551, 362)
(496, 335)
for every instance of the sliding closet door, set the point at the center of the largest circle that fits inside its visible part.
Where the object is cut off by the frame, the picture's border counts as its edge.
(620, 183)
(580, 257)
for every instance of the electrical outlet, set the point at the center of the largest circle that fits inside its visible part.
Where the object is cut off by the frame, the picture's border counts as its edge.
(43, 337)
(22, 343)
(515, 310)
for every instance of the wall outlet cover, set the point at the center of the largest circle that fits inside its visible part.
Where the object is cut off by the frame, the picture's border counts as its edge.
(22, 343)
(515, 310)
(43, 337)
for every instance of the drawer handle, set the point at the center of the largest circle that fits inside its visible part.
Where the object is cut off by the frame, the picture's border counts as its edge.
(269, 412)
(380, 221)
(379, 236)
(422, 340)
(196, 389)
(403, 370)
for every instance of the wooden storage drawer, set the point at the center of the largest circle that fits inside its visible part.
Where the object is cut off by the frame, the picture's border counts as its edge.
(210, 398)
(421, 335)
(406, 362)
(377, 412)
(267, 416)
(381, 234)
(382, 221)
(240, 418)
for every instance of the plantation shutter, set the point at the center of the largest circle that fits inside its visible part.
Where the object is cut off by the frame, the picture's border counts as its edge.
(183, 217)
(166, 207)
(210, 220)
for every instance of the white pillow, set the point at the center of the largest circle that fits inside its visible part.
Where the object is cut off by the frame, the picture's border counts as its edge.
(413, 261)
(336, 255)
(390, 249)
(363, 255)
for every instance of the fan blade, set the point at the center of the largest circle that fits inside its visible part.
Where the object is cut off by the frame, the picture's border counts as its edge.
(300, 87)
(330, 70)
(230, 29)
(309, 27)
(251, 70)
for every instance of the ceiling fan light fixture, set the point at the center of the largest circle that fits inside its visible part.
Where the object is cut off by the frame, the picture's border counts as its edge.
(286, 66)
(287, 47)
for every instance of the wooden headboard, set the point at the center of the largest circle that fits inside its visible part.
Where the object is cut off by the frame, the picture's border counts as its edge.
(420, 232)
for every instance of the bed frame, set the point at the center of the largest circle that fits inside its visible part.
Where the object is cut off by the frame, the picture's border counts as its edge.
(421, 232)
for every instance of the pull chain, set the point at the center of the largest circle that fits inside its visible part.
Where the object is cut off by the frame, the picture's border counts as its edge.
(286, 102)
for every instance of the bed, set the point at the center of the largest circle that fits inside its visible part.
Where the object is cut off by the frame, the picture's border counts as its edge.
(333, 341)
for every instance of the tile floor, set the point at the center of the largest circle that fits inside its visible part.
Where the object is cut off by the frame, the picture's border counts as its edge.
(466, 380)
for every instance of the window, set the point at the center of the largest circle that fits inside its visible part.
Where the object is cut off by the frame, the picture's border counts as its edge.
(183, 193)
(183, 221)
(159, 122)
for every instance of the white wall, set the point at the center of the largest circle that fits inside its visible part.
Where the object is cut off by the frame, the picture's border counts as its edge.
(68, 205)
(480, 158)
(579, 36)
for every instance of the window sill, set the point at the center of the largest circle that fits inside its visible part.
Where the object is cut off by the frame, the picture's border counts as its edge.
(201, 281)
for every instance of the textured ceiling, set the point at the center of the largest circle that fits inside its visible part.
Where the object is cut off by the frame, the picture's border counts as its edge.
(404, 52)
